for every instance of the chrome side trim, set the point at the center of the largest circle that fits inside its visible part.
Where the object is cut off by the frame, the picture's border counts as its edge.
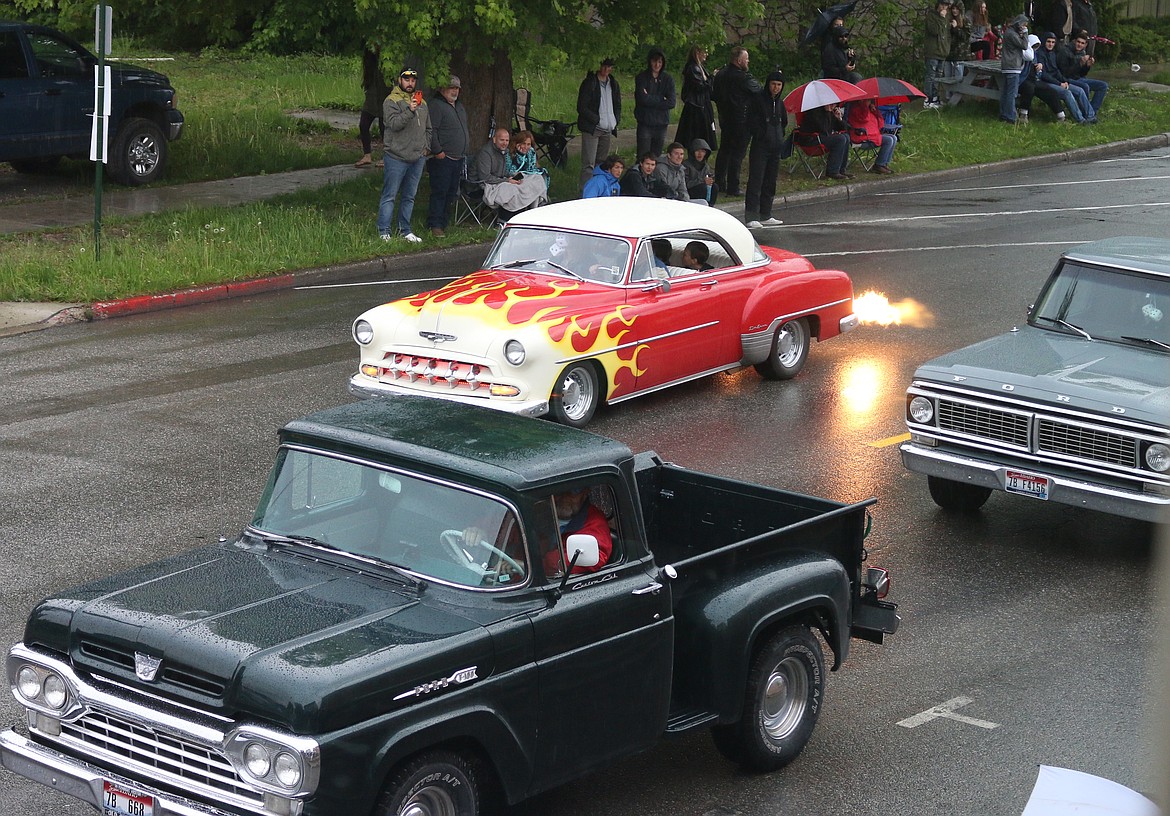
(679, 381)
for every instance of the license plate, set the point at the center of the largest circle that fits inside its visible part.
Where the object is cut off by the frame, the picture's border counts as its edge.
(117, 801)
(1027, 484)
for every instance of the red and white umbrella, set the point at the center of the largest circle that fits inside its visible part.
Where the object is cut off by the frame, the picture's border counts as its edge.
(821, 92)
(889, 90)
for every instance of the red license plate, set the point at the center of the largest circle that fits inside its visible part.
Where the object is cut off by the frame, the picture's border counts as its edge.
(1027, 484)
(118, 801)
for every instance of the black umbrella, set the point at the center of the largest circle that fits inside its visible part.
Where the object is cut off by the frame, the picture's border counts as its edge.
(821, 22)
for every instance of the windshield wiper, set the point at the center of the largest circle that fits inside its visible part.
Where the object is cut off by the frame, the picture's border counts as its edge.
(309, 541)
(515, 264)
(1148, 341)
(564, 269)
(1066, 324)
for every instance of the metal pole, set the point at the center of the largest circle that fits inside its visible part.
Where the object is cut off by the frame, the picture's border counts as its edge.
(101, 147)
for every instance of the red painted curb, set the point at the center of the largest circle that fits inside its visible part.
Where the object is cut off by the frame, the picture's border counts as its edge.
(188, 297)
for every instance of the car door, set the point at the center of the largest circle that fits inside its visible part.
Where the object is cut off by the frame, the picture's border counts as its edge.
(604, 654)
(61, 94)
(18, 122)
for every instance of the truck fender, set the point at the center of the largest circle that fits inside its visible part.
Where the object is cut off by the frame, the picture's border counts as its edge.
(720, 626)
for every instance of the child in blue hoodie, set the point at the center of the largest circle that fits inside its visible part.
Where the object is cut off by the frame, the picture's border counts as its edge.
(606, 178)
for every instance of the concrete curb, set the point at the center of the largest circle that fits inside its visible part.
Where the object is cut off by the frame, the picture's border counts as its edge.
(360, 269)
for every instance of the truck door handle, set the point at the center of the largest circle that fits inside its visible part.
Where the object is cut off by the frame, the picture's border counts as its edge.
(653, 587)
(52, 92)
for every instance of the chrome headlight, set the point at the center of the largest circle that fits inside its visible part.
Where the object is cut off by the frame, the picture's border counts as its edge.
(283, 764)
(921, 410)
(42, 688)
(1158, 457)
(363, 332)
(514, 352)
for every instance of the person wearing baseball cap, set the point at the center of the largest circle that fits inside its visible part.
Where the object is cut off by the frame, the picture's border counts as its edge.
(450, 140)
(406, 142)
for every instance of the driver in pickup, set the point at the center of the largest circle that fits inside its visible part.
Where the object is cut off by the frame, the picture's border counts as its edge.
(576, 514)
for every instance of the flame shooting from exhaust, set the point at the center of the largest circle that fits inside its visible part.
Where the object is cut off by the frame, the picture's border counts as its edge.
(875, 309)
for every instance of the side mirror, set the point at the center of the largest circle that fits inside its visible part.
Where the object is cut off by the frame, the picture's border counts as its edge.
(582, 550)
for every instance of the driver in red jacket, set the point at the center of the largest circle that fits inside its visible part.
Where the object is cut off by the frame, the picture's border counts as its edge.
(576, 514)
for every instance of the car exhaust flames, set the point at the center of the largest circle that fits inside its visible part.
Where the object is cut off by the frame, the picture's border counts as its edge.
(875, 309)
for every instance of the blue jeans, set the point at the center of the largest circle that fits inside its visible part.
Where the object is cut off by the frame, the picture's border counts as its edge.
(1076, 100)
(1007, 97)
(886, 151)
(446, 174)
(398, 176)
(934, 70)
(1094, 88)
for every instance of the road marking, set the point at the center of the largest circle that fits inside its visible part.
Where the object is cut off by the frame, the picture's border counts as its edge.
(998, 213)
(937, 248)
(889, 440)
(946, 711)
(385, 282)
(1025, 186)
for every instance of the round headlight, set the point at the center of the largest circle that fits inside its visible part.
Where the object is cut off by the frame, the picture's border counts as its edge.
(921, 409)
(363, 332)
(28, 683)
(55, 693)
(257, 760)
(1158, 457)
(514, 352)
(288, 770)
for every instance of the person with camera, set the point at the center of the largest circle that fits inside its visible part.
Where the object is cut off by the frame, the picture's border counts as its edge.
(838, 59)
(1075, 62)
(767, 120)
(406, 142)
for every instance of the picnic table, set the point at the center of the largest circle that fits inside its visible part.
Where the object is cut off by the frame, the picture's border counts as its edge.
(982, 79)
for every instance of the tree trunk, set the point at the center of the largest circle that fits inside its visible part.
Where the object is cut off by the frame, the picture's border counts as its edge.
(486, 93)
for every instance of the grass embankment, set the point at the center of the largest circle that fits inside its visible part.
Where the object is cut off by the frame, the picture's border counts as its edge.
(236, 125)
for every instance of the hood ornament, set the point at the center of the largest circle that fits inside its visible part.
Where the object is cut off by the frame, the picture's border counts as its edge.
(146, 667)
(436, 337)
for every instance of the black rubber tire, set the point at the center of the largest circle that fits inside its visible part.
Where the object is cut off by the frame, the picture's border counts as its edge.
(781, 703)
(40, 165)
(958, 497)
(789, 351)
(138, 153)
(575, 395)
(439, 783)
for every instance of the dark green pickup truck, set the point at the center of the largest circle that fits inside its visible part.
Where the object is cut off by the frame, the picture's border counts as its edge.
(438, 607)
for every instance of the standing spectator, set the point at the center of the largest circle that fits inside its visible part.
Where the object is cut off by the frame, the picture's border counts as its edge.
(700, 177)
(767, 120)
(406, 141)
(653, 101)
(733, 90)
(606, 180)
(1011, 62)
(979, 22)
(449, 143)
(697, 120)
(1071, 17)
(599, 110)
(640, 180)
(960, 32)
(1049, 71)
(1075, 62)
(828, 124)
(838, 60)
(673, 175)
(937, 48)
(375, 90)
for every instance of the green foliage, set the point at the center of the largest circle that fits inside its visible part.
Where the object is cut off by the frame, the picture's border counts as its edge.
(1142, 39)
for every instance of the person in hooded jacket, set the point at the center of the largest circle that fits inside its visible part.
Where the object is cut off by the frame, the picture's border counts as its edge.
(697, 120)
(653, 101)
(767, 120)
(1011, 64)
(838, 60)
(699, 175)
(606, 180)
(1074, 96)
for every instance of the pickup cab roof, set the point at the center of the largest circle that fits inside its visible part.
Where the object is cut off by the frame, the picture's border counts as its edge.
(490, 445)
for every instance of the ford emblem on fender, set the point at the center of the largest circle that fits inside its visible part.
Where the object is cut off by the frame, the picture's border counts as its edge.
(145, 666)
(436, 337)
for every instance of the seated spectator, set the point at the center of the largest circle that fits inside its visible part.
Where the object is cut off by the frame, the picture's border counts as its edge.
(865, 127)
(521, 156)
(1031, 87)
(606, 178)
(640, 179)
(838, 60)
(501, 189)
(672, 174)
(700, 176)
(1075, 62)
(826, 123)
(1048, 71)
(980, 24)
(695, 256)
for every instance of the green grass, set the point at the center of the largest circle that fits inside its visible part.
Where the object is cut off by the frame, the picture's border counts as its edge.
(237, 124)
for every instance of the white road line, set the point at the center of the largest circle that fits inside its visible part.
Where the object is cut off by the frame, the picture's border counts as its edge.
(1131, 159)
(941, 216)
(1023, 186)
(939, 248)
(946, 711)
(373, 283)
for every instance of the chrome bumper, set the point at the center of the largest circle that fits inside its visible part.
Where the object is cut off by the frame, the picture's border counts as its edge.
(83, 781)
(1075, 492)
(365, 388)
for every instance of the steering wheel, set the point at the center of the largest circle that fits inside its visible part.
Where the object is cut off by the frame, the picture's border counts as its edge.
(453, 541)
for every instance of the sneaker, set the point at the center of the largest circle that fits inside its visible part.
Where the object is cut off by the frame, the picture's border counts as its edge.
(412, 238)
(932, 105)
(1060, 117)
(753, 224)
(1023, 116)
(387, 236)
(772, 222)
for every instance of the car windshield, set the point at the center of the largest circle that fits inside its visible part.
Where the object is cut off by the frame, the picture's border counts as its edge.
(590, 257)
(431, 529)
(1105, 304)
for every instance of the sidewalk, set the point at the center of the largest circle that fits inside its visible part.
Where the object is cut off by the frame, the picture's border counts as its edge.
(16, 318)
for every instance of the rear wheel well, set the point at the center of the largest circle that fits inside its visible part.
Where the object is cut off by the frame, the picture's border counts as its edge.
(818, 619)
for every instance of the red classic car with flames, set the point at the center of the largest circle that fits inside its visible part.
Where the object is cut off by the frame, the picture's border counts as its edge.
(603, 300)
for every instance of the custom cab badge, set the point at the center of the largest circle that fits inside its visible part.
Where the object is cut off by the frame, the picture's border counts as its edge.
(458, 678)
(146, 667)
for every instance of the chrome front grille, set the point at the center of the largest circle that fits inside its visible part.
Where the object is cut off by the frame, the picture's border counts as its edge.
(984, 422)
(1086, 443)
(140, 751)
(435, 373)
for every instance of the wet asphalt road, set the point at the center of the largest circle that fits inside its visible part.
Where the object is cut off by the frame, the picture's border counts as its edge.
(138, 437)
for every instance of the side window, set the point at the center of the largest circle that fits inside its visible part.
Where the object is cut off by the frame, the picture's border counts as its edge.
(585, 510)
(643, 265)
(57, 58)
(12, 62)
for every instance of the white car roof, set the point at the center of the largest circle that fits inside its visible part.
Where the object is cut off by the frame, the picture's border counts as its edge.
(639, 217)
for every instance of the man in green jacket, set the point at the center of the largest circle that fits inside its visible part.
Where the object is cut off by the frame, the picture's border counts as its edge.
(937, 48)
(406, 142)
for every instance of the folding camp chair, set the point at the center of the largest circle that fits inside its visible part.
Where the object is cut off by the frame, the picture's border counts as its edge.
(470, 206)
(811, 152)
(551, 137)
(891, 119)
(863, 146)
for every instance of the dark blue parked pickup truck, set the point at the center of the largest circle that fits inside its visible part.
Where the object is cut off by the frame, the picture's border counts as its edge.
(436, 608)
(47, 105)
